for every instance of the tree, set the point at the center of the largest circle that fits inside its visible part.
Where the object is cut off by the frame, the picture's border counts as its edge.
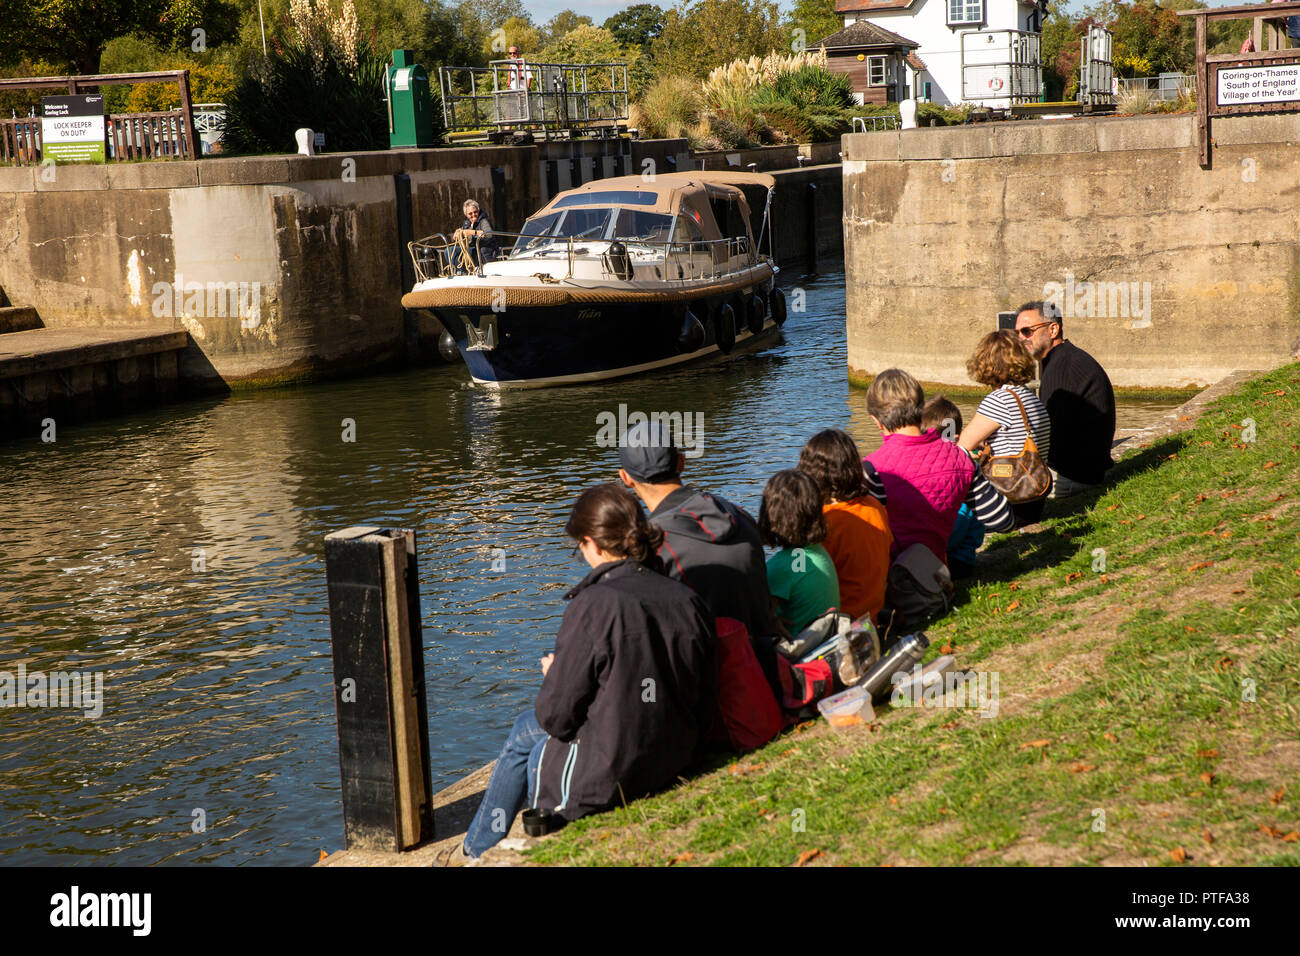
(1149, 38)
(699, 36)
(74, 32)
(1059, 51)
(514, 31)
(636, 26)
(562, 23)
(588, 44)
(817, 19)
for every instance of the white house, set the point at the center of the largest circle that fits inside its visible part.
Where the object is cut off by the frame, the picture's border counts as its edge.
(895, 49)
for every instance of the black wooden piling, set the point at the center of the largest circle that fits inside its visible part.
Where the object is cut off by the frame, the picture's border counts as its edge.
(374, 602)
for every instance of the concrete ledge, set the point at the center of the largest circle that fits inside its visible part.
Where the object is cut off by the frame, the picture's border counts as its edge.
(946, 142)
(244, 171)
(43, 350)
(74, 178)
(18, 318)
(18, 179)
(872, 147)
(1146, 132)
(1253, 130)
(152, 175)
(1042, 136)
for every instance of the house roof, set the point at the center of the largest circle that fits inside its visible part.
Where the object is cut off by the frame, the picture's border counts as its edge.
(915, 62)
(852, 6)
(864, 34)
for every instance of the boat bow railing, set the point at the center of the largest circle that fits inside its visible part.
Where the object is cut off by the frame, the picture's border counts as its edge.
(438, 257)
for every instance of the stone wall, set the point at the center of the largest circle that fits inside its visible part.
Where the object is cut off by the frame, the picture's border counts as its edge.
(945, 227)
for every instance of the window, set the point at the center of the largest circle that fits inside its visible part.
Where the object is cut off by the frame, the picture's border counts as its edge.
(621, 197)
(928, 95)
(965, 11)
(876, 71)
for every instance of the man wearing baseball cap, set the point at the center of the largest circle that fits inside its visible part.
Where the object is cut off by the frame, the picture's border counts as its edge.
(710, 544)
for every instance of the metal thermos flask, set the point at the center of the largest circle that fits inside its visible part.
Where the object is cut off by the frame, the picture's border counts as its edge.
(906, 653)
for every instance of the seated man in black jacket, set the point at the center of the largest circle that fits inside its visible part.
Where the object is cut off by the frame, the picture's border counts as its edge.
(709, 544)
(1079, 398)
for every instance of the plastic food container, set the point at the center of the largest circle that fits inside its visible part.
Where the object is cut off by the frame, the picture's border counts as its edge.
(848, 710)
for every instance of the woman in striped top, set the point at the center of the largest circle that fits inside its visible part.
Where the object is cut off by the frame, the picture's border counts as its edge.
(1003, 364)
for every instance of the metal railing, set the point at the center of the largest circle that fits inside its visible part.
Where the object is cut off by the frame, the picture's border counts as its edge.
(518, 93)
(869, 124)
(1096, 69)
(1166, 86)
(438, 257)
(1001, 65)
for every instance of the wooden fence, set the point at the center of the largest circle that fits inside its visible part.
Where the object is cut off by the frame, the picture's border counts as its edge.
(160, 135)
(130, 136)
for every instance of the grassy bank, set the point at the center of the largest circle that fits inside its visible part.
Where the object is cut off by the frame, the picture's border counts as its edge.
(1147, 647)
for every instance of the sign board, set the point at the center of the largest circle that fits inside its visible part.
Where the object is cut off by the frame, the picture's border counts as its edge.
(1259, 84)
(72, 128)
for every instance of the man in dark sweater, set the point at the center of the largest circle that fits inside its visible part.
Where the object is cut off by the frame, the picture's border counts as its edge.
(710, 545)
(1079, 400)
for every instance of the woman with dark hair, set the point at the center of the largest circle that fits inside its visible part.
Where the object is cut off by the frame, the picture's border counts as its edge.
(628, 692)
(857, 526)
(801, 576)
(1002, 363)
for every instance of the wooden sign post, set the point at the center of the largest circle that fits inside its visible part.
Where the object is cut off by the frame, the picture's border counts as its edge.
(374, 601)
(1261, 81)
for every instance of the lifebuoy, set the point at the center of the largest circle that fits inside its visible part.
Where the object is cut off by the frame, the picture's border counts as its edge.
(777, 298)
(995, 84)
(724, 328)
(756, 314)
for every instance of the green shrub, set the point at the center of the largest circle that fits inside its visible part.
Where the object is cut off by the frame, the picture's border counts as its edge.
(294, 90)
(668, 108)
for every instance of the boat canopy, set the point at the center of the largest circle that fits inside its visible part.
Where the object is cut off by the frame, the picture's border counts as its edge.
(702, 196)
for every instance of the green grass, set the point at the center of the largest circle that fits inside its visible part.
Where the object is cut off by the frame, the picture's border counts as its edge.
(1166, 683)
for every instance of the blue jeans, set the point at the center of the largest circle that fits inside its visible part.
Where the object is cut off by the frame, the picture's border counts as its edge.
(1293, 27)
(513, 781)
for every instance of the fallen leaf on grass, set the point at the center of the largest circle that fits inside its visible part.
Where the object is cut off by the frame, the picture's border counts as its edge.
(741, 769)
(1073, 576)
(1139, 517)
(1013, 605)
(1207, 753)
(946, 649)
(1223, 664)
(1238, 427)
(1104, 579)
(808, 855)
(1280, 391)
(1112, 507)
(1204, 443)
(1045, 742)
(1171, 457)
(1013, 587)
(1082, 767)
(800, 728)
(1268, 464)
(682, 858)
(1239, 591)
(948, 726)
(1111, 737)
(894, 801)
(1207, 836)
(1200, 565)
(1230, 492)
(1184, 418)
(1178, 854)
(1226, 534)
(1279, 497)
(1208, 779)
(1199, 498)
(1277, 834)
(1276, 798)
(1292, 837)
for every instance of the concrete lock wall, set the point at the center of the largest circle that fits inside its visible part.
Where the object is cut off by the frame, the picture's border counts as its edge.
(945, 227)
(278, 267)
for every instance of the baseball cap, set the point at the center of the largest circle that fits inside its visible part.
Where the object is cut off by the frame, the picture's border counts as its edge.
(647, 452)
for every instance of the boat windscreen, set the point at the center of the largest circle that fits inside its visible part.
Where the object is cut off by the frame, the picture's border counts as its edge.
(630, 225)
(613, 197)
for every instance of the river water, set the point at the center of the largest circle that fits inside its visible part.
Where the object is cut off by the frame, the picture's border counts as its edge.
(179, 553)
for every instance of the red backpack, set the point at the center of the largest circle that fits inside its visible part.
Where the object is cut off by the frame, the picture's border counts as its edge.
(748, 715)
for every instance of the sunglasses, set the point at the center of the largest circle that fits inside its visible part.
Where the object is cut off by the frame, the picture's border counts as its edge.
(1028, 330)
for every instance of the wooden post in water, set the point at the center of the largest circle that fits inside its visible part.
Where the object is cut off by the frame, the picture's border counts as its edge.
(812, 227)
(374, 602)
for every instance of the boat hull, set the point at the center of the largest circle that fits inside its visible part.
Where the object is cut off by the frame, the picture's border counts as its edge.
(593, 340)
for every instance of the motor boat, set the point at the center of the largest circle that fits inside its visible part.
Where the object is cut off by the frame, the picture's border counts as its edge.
(617, 277)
